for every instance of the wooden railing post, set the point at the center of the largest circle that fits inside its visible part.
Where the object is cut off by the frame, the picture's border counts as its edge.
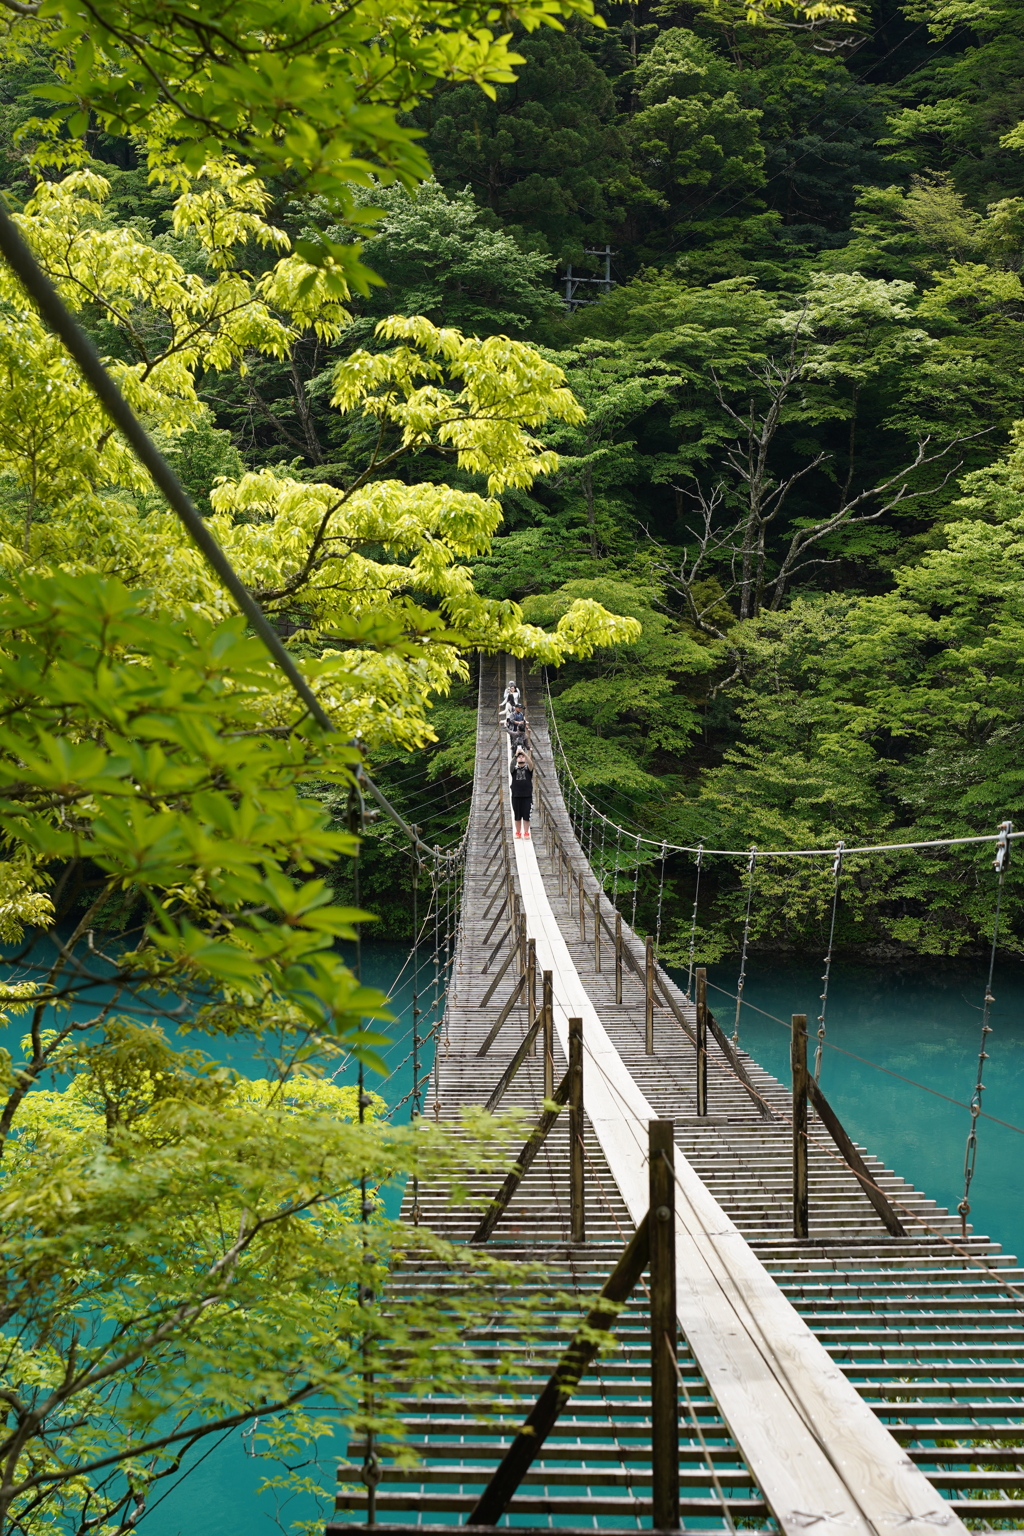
(549, 1036)
(664, 1329)
(577, 1218)
(701, 990)
(618, 957)
(597, 933)
(531, 977)
(798, 1061)
(649, 997)
(583, 920)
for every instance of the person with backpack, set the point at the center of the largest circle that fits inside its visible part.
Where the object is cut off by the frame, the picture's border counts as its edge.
(521, 784)
(518, 727)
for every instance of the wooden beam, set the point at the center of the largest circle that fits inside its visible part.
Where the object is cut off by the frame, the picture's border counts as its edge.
(618, 958)
(649, 996)
(498, 917)
(664, 1328)
(548, 1015)
(830, 1120)
(577, 1215)
(597, 933)
(503, 1015)
(502, 1085)
(513, 1180)
(502, 890)
(494, 984)
(531, 976)
(798, 1062)
(543, 1416)
(494, 951)
(726, 1047)
(702, 1040)
(665, 994)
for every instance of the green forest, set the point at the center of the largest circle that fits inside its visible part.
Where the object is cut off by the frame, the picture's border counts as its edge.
(672, 349)
(798, 468)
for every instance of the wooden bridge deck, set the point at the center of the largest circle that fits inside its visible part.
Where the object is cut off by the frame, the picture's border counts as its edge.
(852, 1379)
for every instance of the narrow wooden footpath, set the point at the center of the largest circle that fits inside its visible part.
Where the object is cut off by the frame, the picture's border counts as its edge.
(853, 1378)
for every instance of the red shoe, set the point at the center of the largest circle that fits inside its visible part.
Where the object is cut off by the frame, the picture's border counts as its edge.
(527, 832)
(519, 834)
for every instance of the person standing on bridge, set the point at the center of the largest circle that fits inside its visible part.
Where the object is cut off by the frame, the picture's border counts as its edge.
(519, 730)
(522, 791)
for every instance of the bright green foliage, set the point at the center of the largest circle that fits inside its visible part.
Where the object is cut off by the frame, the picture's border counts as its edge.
(181, 1250)
(140, 750)
(635, 695)
(440, 257)
(308, 90)
(374, 572)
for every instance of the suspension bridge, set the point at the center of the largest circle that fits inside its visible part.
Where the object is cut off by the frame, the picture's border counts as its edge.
(805, 1341)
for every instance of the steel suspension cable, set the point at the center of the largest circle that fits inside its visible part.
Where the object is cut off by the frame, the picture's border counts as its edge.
(1001, 864)
(742, 981)
(661, 893)
(837, 869)
(693, 925)
(782, 853)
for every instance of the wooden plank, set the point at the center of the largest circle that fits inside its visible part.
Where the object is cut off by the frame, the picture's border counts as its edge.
(506, 1078)
(500, 914)
(814, 1446)
(487, 963)
(533, 1145)
(577, 1192)
(502, 1016)
(544, 1414)
(512, 954)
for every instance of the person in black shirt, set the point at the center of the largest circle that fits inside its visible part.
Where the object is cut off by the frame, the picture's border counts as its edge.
(522, 791)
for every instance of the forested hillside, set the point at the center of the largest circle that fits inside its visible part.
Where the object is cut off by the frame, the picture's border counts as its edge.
(799, 467)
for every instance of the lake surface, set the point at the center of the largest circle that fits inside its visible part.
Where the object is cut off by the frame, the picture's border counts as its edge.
(923, 1023)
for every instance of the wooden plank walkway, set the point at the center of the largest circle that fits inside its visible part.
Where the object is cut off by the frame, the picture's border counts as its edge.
(823, 1373)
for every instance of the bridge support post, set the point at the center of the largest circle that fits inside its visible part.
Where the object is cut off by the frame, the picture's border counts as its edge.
(531, 978)
(583, 920)
(649, 997)
(618, 957)
(664, 1329)
(577, 1218)
(597, 933)
(798, 1062)
(701, 990)
(549, 1036)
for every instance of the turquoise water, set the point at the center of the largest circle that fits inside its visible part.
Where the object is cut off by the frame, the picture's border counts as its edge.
(216, 1493)
(921, 1023)
(925, 1024)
